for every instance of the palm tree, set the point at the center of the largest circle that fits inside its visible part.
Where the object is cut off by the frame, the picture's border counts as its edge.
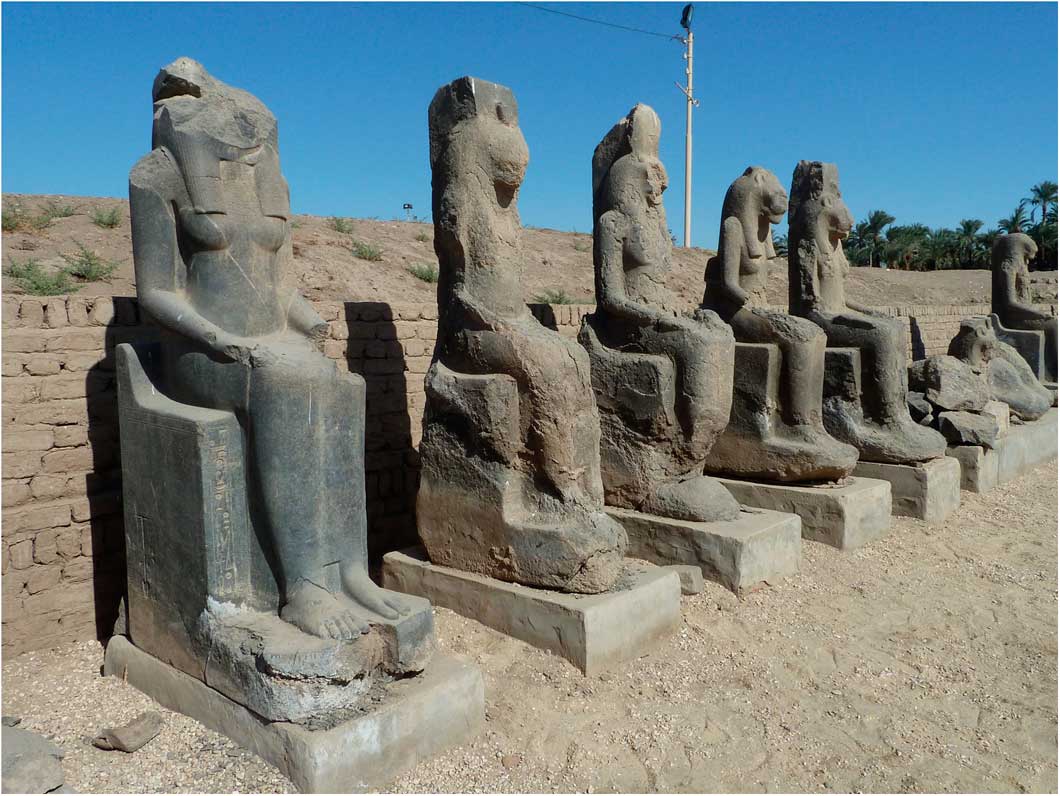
(968, 239)
(1042, 195)
(1014, 222)
(780, 245)
(877, 220)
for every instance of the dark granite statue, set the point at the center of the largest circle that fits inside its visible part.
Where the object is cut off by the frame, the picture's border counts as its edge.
(776, 431)
(510, 482)
(1011, 300)
(663, 382)
(867, 382)
(284, 528)
(1008, 376)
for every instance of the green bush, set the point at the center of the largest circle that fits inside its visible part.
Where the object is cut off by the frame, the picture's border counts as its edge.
(32, 279)
(12, 219)
(582, 246)
(342, 225)
(53, 209)
(88, 265)
(426, 272)
(367, 251)
(108, 219)
(422, 237)
(556, 297)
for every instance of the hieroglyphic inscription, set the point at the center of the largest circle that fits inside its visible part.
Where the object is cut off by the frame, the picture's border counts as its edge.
(221, 500)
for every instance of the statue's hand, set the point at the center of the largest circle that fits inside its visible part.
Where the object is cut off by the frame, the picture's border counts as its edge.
(238, 349)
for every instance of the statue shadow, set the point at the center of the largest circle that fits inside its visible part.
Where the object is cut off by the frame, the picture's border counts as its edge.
(391, 463)
(916, 337)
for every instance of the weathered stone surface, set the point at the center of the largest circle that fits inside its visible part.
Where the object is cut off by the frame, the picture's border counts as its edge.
(1000, 412)
(775, 431)
(948, 383)
(845, 515)
(1011, 299)
(31, 763)
(592, 631)
(414, 719)
(691, 577)
(510, 481)
(247, 557)
(979, 466)
(969, 428)
(1008, 376)
(663, 382)
(131, 736)
(757, 547)
(870, 410)
(920, 408)
(929, 491)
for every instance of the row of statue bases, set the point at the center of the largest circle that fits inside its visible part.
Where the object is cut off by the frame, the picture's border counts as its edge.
(569, 489)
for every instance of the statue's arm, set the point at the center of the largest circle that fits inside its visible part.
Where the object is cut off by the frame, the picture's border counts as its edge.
(157, 263)
(612, 229)
(303, 318)
(864, 309)
(731, 248)
(1017, 308)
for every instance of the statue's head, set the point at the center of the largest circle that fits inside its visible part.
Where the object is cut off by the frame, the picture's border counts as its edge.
(815, 198)
(627, 172)
(975, 342)
(487, 115)
(1016, 247)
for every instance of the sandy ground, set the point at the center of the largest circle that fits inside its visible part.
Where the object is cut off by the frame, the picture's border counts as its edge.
(927, 661)
(326, 269)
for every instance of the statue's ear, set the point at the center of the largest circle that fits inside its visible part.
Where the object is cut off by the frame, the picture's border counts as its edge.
(759, 177)
(828, 201)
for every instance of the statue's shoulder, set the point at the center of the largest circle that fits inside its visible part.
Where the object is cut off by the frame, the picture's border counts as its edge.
(157, 171)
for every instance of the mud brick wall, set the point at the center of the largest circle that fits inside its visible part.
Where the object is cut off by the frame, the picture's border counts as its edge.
(63, 538)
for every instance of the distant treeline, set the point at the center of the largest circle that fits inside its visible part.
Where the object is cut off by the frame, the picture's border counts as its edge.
(878, 241)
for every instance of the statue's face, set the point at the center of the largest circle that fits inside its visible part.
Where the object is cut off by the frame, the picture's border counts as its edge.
(837, 214)
(509, 153)
(773, 197)
(655, 181)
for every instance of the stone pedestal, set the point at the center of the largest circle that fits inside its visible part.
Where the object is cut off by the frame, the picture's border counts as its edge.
(978, 466)
(413, 719)
(844, 515)
(592, 631)
(930, 491)
(757, 547)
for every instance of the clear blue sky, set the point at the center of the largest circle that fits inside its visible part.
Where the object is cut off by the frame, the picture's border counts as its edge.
(934, 112)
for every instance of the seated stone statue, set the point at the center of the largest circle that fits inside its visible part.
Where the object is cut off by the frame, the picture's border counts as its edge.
(663, 382)
(877, 422)
(1008, 376)
(211, 240)
(510, 481)
(1010, 296)
(776, 431)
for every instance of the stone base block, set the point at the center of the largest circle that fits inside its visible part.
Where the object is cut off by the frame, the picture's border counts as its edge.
(844, 515)
(417, 718)
(978, 466)
(930, 491)
(757, 547)
(1027, 446)
(592, 631)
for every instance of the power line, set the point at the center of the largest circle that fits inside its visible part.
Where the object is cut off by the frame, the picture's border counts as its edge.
(607, 24)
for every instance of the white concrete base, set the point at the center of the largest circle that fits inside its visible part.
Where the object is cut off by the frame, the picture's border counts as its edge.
(418, 718)
(757, 547)
(930, 491)
(845, 515)
(592, 631)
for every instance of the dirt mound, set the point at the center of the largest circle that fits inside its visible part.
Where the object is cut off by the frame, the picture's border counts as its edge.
(326, 267)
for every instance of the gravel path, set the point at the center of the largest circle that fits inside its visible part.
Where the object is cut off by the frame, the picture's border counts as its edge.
(926, 661)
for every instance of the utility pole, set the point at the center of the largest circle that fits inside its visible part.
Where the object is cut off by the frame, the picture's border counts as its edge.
(690, 101)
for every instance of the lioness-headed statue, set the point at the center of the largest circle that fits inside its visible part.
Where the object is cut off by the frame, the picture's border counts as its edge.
(876, 420)
(663, 382)
(510, 481)
(776, 431)
(1010, 294)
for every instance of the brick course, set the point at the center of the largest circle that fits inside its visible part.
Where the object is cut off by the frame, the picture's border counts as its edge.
(63, 543)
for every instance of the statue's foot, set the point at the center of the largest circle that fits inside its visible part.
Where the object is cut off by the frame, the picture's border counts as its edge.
(820, 456)
(900, 440)
(696, 499)
(317, 611)
(364, 593)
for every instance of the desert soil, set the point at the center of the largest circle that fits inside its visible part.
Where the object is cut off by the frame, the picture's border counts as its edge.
(325, 267)
(924, 662)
